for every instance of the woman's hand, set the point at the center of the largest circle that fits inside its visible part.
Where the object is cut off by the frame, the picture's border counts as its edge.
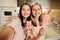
(49, 10)
(41, 33)
(29, 34)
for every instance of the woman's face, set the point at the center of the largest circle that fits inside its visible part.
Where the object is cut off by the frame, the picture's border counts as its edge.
(25, 11)
(36, 10)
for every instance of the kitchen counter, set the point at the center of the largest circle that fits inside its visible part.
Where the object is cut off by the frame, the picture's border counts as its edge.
(54, 38)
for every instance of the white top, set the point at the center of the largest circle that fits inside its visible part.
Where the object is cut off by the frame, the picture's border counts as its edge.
(35, 32)
(19, 33)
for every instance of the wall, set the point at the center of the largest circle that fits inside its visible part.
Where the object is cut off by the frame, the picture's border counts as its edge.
(19, 2)
(10, 3)
(44, 3)
(55, 15)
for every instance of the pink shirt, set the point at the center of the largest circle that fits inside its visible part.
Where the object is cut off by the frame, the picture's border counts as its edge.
(46, 20)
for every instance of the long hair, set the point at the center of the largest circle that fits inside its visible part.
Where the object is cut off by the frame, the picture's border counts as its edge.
(20, 14)
(40, 17)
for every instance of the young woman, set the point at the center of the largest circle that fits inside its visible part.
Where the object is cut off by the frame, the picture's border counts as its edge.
(25, 17)
(15, 29)
(38, 21)
(38, 29)
(25, 13)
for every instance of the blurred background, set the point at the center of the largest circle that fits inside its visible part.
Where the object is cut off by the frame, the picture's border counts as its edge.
(9, 9)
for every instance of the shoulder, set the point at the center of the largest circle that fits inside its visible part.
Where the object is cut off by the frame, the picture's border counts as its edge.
(14, 22)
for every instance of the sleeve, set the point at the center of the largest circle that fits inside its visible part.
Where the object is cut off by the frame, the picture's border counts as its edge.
(13, 23)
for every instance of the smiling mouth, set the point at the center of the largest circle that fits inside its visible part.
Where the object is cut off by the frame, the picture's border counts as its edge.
(25, 14)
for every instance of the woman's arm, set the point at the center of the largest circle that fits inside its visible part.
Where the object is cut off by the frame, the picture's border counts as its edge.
(7, 33)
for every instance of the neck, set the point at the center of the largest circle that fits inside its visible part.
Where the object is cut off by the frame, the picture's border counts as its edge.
(24, 20)
(36, 20)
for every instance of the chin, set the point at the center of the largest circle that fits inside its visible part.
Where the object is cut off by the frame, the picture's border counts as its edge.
(26, 16)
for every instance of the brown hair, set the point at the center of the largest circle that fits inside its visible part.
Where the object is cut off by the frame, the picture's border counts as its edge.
(40, 17)
(20, 14)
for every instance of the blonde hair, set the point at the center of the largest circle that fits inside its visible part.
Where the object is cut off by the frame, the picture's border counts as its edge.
(40, 17)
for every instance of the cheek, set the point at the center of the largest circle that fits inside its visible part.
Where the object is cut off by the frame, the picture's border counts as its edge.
(22, 13)
(33, 12)
(29, 12)
(39, 12)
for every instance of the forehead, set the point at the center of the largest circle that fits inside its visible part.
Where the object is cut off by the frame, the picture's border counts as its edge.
(36, 6)
(26, 6)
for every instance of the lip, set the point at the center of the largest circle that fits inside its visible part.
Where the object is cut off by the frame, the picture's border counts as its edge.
(25, 14)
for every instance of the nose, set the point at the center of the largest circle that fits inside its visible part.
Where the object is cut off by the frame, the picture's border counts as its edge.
(36, 11)
(25, 11)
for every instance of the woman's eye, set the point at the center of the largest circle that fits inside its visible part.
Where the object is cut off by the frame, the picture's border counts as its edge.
(28, 9)
(38, 9)
(33, 9)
